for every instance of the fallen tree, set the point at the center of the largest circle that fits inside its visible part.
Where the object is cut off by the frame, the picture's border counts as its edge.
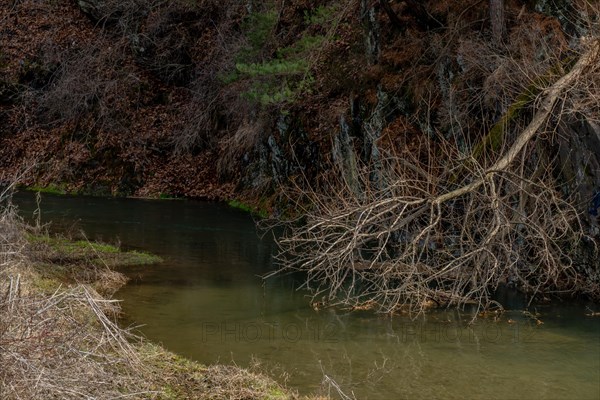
(448, 232)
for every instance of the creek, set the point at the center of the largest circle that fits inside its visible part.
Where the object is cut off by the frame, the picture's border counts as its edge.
(208, 301)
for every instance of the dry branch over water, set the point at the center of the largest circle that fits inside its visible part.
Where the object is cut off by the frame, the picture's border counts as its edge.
(448, 233)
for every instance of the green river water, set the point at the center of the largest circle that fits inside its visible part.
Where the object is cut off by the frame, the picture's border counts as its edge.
(208, 302)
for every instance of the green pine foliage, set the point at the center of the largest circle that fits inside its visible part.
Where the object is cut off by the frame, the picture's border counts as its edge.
(280, 75)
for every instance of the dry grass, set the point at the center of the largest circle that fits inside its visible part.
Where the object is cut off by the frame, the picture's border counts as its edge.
(64, 346)
(58, 345)
(59, 338)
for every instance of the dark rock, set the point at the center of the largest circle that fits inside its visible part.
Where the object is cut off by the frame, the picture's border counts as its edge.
(91, 7)
(579, 156)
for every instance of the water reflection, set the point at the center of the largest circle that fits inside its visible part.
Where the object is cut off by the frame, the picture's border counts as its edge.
(208, 302)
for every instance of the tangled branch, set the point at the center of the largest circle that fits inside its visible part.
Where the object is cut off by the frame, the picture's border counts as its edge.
(445, 234)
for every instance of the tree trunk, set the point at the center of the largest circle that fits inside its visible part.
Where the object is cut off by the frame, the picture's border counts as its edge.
(392, 15)
(553, 93)
(497, 19)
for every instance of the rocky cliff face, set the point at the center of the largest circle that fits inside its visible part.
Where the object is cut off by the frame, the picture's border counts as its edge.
(215, 98)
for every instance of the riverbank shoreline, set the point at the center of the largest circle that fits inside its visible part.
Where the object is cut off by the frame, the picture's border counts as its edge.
(254, 207)
(59, 336)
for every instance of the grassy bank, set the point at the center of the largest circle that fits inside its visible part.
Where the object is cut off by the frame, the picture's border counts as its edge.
(59, 339)
(257, 210)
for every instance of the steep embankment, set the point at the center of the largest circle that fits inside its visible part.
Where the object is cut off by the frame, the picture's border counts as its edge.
(211, 98)
(81, 112)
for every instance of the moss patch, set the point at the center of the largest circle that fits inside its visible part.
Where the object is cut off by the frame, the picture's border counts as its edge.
(72, 251)
(60, 261)
(59, 190)
(257, 211)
